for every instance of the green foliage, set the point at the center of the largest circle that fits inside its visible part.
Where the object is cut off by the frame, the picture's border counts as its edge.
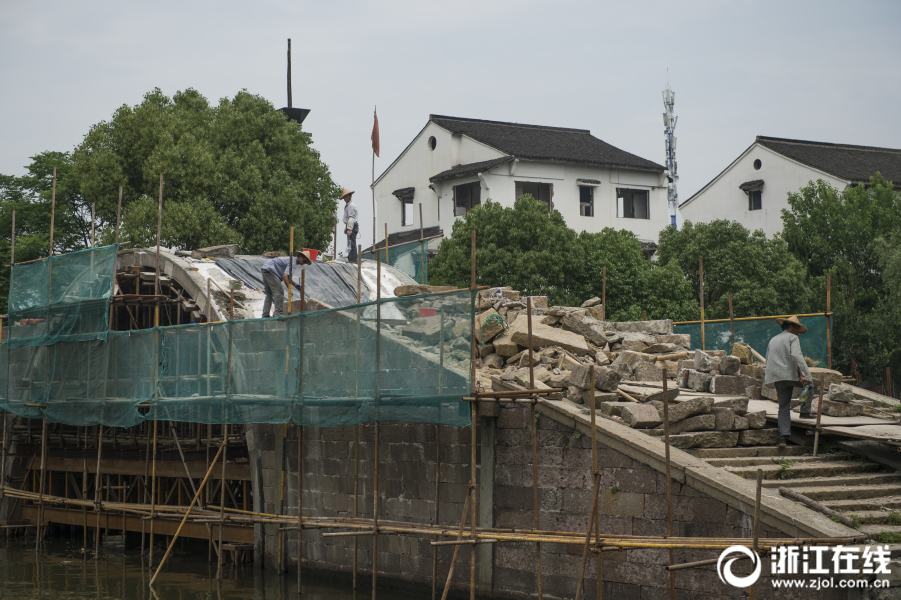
(888, 537)
(760, 273)
(30, 197)
(534, 252)
(239, 172)
(785, 465)
(854, 235)
(893, 518)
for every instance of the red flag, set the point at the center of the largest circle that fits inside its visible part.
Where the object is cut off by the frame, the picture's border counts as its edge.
(375, 133)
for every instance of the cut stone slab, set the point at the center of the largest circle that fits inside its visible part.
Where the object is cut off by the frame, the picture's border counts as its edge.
(683, 340)
(612, 409)
(485, 350)
(743, 352)
(543, 336)
(725, 418)
(574, 394)
(705, 439)
(601, 358)
(599, 397)
(656, 327)
(841, 393)
(740, 423)
(521, 376)
(830, 375)
(504, 344)
(225, 251)
(703, 363)
(729, 365)
(640, 416)
(486, 334)
(836, 409)
(696, 380)
(753, 392)
(634, 345)
(414, 290)
(587, 327)
(661, 348)
(591, 302)
(731, 385)
(427, 329)
(738, 405)
(756, 370)
(689, 408)
(605, 378)
(596, 312)
(696, 423)
(647, 372)
(758, 437)
(560, 380)
(756, 420)
(537, 301)
(510, 294)
(493, 361)
(549, 320)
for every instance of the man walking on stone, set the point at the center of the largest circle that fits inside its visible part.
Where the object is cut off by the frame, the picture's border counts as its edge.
(275, 271)
(786, 370)
(351, 227)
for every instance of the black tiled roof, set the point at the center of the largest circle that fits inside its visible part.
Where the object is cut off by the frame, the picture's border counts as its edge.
(403, 237)
(749, 186)
(537, 142)
(404, 192)
(854, 163)
(470, 169)
(589, 181)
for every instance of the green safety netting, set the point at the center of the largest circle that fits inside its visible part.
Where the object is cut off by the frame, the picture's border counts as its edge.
(757, 333)
(403, 359)
(408, 258)
(63, 298)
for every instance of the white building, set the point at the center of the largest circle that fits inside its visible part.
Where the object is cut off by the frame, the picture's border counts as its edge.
(454, 164)
(754, 189)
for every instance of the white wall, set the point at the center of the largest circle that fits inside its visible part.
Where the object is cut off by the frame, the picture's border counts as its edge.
(419, 162)
(722, 198)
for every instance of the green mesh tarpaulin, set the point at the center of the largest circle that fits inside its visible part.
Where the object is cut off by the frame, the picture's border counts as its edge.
(402, 359)
(757, 333)
(64, 298)
(407, 258)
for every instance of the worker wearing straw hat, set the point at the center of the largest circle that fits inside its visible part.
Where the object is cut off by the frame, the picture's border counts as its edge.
(351, 226)
(275, 272)
(786, 369)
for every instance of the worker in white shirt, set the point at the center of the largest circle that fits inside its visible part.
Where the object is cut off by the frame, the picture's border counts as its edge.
(351, 226)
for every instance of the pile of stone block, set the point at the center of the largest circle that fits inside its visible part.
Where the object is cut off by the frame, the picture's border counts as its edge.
(697, 423)
(718, 373)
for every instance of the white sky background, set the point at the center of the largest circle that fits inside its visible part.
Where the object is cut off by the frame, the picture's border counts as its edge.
(826, 71)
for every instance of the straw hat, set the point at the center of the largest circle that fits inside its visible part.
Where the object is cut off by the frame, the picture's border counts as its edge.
(794, 321)
(346, 193)
(305, 255)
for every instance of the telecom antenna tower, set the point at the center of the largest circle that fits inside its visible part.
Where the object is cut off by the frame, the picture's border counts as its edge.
(669, 124)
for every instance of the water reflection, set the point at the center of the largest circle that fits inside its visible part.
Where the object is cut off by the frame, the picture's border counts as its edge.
(60, 570)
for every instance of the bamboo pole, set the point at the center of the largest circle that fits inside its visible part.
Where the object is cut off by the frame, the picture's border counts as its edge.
(156, 312)
(594, 508)
(37, 541)
(386, 243)
(595, 469)
(828, 320)
(472, 505)
(375, 510)
(119, 214)
(152, 492)
(299, 505)
(756, 526)
(281, 497)
(98, 506)
(188, 512)
(84, 508)
(703, 341)
(437, 505)
(357, 395)
(731, 318)
(224, 450)
(534, 427)
(450, 572)
(816, 436)
(52, 212)
(93, 212)
(669, 483)
(604, 293)
(422, 257)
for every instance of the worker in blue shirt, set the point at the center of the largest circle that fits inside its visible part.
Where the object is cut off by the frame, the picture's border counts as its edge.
(275, 271)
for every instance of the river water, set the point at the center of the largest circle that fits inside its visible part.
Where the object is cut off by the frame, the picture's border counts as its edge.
(61, 571)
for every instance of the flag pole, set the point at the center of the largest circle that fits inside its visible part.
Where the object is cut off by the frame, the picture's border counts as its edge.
(375, 152)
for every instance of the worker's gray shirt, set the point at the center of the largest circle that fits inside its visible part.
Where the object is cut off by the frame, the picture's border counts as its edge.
(784, 358)
(350, 210)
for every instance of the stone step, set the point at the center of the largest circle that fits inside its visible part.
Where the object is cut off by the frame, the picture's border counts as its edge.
(751, 451)
(853, 505)
(877, 517)
(861, 479)
(748, 461)
(806, 469)
(874, 530)
(841, 492)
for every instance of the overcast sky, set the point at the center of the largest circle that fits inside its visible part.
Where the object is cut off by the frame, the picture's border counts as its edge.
(826, 71)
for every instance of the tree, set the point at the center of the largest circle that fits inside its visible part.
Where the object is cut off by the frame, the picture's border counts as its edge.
(534, 252)
(763, 277)
(30, 197)
(239, 172)
(854, 236)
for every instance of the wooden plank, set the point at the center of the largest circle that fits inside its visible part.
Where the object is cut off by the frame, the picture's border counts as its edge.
(240, 534)
(233, 471)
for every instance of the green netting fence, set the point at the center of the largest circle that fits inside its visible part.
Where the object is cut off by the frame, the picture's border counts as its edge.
(403, 359)
(63, 298)
(757, 333)
(410, 258)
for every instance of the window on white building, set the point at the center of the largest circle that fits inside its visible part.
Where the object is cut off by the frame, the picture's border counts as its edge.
(586, 201)
(406, 210)
(632, 204)
(538, 190)
(466, 197)
(755, 200)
